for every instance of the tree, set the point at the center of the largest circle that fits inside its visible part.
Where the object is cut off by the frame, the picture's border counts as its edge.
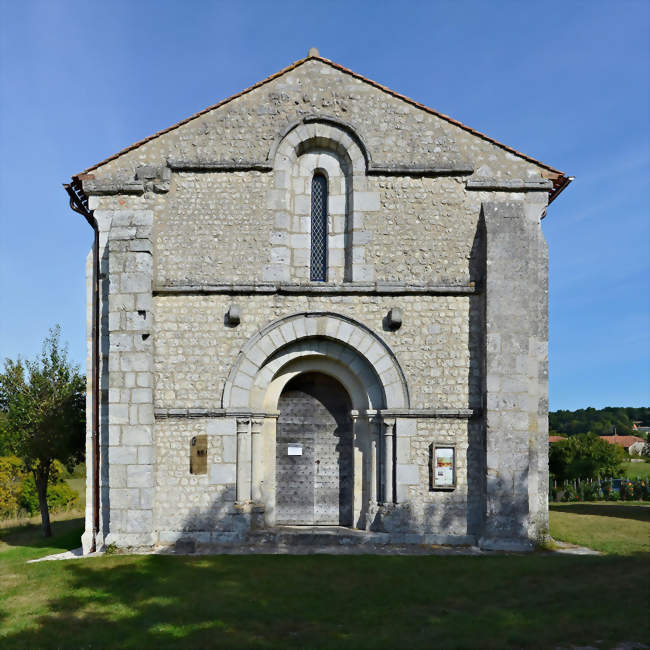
(43, 402)
(584, 455)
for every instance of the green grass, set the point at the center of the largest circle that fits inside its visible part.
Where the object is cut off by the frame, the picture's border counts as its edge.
(616, 528)
(532, 601)
(79, 485)
(632, 470)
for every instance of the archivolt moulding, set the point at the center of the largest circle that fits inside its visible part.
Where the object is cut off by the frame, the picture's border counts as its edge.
(308, 334)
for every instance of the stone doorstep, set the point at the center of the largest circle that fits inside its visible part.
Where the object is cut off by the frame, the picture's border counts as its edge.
(315, 536)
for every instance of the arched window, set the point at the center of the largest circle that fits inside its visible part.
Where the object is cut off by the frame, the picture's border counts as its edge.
(318, 263)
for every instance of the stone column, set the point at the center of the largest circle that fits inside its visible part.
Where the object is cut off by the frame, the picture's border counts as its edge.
(257, 458)
(373, 432)
(389, 433)
(243, 460)
(515, 389)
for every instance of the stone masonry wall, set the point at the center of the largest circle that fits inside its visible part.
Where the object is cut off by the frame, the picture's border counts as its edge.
(437, 224)
(188, 502)
(395, 132)
(194, 349)
(202, 506)
(422, 508)
(210, 213)
(206, 215)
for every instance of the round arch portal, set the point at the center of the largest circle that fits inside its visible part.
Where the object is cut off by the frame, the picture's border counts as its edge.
(326, 335)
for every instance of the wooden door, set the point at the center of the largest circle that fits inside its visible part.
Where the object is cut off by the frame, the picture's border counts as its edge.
(314, 467)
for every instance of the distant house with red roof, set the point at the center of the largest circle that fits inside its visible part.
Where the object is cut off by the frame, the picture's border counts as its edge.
(552, 439)
(624, 441)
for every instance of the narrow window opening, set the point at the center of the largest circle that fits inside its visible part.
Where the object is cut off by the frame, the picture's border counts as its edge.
(318, 264)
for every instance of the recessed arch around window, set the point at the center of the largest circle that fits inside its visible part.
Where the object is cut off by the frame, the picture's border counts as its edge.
(302, 151)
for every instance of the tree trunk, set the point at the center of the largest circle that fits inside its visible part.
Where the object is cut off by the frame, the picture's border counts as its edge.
(41, 477)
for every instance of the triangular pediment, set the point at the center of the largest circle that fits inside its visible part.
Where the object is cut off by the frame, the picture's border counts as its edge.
(397, 132)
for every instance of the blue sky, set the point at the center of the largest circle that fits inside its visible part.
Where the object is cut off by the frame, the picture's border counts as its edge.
(567, 84)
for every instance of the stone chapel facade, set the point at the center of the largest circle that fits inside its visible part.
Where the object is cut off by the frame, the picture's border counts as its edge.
(317, 303)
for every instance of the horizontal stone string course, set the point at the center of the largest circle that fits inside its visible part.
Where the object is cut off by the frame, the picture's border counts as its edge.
(508, 185)
(436, 168)
(218, 165)
(378, 288)
(162, 414)
(433, 168)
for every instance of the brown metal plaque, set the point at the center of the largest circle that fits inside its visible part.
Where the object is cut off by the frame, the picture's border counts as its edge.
(199, 454)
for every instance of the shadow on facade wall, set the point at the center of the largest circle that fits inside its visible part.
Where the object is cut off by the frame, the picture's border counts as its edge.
(476, 449)
(104, 345)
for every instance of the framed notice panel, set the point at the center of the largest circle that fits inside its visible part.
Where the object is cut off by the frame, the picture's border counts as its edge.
(443, 468)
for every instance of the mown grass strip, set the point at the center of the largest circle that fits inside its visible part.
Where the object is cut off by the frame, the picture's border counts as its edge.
(502, 601)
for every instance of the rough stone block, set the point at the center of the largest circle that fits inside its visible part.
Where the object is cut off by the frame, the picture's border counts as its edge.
(229, 449)
(147, 497)
(407, 474)
(136, 361)
(137, 435)
(135, 283)
(125, 498)
(223, 473)
(117, 475)
(118, 414)
(141, 395)
(276, 273)
(403, 450)
(122, 455)
(146, 455)
(366, 201)
(139, 476)
(139, 521)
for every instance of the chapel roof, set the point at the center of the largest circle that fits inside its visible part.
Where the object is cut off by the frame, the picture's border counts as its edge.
(559, 178)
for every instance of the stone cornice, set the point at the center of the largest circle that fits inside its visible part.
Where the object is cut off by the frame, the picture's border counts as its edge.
(463, 414)
(352, 288)
(186, 413)
(199, 165)
(103, 187)
(433, 168)
(509, 185)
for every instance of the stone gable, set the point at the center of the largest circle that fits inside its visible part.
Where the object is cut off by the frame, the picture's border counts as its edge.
(395, 132)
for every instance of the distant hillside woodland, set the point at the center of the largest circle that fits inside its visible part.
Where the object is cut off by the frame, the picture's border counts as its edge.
(599, 421)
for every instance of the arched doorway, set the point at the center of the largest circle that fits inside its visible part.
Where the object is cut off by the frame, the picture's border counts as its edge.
(314, 457)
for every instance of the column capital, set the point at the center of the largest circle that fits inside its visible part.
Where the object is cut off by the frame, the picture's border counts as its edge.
(256, 425)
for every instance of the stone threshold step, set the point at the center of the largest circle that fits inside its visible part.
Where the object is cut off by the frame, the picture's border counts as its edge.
(315, 535)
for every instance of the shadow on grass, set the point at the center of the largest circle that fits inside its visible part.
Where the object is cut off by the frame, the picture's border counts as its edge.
(637, 512)
(337, 601)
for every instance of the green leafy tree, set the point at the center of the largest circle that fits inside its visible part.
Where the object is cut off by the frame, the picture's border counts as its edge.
(584, 455)
(44, 405)
(600, 421)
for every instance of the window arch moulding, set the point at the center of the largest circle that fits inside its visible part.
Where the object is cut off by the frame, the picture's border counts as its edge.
(304, 150)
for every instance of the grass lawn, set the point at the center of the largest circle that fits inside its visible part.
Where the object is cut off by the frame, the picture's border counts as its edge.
(79, 485)
(515, 601)
(632, 470)
(618, 528)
